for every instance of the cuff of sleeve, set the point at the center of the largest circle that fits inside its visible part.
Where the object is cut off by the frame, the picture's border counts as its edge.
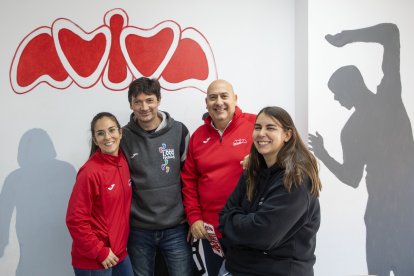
(194, 218)
(103, 254)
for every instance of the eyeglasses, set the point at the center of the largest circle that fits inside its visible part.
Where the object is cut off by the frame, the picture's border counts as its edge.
(111, 132)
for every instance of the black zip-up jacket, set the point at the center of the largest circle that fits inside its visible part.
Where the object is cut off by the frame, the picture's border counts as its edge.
(275, 233)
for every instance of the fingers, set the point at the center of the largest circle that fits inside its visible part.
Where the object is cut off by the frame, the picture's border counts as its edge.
(245, 162)
(315, 138)
(110, 261)
(115, 260)
(204, 234)
(198, 231)
(108, 264)
(244, 165)
(201, 232)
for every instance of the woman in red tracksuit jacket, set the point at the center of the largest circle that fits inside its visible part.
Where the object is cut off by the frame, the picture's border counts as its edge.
(99, 207)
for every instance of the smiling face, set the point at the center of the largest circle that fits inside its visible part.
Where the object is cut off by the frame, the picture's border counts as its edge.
(269, 137)
(145, 108)
(107, 136)
(221, 103)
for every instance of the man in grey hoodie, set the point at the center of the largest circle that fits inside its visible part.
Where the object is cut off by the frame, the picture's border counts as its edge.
(155, 146)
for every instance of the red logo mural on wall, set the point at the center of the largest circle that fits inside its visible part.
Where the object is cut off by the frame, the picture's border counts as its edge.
(114, 53)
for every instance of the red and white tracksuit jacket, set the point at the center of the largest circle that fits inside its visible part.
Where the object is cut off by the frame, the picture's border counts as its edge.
(98, 210)
(212, 167)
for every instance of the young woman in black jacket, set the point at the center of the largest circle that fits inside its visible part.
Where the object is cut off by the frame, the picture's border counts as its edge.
(270, 221)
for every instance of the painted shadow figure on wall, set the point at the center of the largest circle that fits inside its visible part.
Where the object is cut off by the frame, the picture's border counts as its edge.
(378, 137)
(39, 190)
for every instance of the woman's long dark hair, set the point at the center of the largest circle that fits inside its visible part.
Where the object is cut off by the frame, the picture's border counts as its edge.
(97, 117)
(294, 157)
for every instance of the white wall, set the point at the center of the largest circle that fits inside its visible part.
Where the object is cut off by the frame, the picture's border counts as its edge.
(253, 45)
(254, 48)
(341, 239)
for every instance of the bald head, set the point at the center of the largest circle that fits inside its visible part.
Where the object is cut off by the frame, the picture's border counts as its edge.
(221, 103)
(220, 84)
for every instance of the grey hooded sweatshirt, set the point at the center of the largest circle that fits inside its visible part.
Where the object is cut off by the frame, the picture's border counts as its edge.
(155, 159)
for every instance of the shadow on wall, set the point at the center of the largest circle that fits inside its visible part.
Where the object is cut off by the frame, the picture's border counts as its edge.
(39, 190)
(377, 136)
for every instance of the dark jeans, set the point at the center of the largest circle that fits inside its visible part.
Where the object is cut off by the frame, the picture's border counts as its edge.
(172, 243)
(123, 268)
